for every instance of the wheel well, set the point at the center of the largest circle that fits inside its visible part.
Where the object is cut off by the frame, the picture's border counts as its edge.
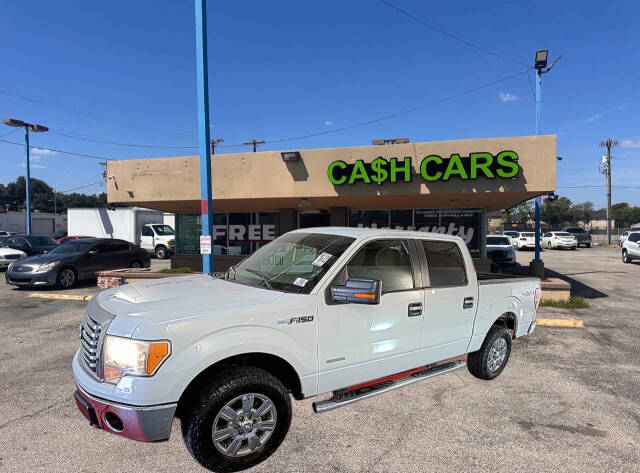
(272, 364)
(160, 245)
(508, 321)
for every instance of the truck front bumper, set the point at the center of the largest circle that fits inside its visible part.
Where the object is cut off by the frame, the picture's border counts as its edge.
(143, 423)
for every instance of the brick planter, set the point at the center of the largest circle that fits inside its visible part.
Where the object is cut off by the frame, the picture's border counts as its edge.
(117, 277)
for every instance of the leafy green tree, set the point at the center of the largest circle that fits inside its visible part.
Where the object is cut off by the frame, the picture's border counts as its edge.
(520, 213)
(582, 212)
(556, 213)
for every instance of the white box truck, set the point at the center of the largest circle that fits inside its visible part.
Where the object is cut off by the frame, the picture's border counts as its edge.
(143, 227)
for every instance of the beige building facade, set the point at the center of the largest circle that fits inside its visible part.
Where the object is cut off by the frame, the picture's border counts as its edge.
(437, 186)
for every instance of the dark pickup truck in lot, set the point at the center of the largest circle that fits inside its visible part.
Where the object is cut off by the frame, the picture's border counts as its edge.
(583, 236)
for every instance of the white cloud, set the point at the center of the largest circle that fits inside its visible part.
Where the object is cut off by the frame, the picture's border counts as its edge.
(630, 144)
(597, 116)
(42, 151)
(328, 123)
(508, 97)
(33, 166)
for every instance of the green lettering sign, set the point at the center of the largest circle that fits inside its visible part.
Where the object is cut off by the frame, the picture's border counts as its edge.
(433, 168)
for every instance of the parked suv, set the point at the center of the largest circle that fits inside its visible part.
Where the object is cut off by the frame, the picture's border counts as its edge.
(583, 236)
(631, 247)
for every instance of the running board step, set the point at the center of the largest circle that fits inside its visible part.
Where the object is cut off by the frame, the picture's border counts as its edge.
(349, 396)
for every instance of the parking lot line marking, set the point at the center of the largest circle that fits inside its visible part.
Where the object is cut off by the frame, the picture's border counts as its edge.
(571, 323)
(67, 297)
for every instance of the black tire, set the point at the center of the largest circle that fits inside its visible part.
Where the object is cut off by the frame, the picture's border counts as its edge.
(161, 252)
(136, 264)
(549, 245)
(478, 362)
(588, 245)
(625, 257)
(67, 278)
(197, 424)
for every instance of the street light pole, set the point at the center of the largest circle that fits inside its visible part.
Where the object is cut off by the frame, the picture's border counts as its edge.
(206, 195)
(37, 129)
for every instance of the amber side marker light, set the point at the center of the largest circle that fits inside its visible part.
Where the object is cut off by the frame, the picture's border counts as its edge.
(364, 296)
(157, 352)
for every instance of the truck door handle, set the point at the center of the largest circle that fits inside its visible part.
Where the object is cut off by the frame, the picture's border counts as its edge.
(415, 309)
(467, 303)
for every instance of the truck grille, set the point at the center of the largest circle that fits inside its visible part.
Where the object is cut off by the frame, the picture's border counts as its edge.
(90, 332)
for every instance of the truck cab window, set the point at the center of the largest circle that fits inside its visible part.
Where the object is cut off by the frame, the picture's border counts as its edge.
(445, 263)
(146, 231)
(385, 260)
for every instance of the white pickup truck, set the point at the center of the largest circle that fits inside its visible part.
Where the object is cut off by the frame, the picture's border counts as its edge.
(351, 311)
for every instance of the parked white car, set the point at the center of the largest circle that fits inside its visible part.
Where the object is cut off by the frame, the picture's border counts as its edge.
(555, 240)
(624, 237)
(513, 235)
(500, 250)
(9, 255)
(526, 240)
(631, 247)
(352, 311)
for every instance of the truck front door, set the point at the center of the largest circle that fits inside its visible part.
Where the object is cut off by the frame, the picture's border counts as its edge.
(360, 342)
(146, 240)
(449, 302)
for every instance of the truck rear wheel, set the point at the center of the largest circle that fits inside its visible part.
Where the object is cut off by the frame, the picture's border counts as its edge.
(238, 421)
(488, 362)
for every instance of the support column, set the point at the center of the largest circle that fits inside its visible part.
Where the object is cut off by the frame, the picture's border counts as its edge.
(338, 217)
(288, 220)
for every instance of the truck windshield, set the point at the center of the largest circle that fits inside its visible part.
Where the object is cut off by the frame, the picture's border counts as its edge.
(294, 262)
(164, 230)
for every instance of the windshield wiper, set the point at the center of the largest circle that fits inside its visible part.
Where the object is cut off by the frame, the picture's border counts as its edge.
(258, 273)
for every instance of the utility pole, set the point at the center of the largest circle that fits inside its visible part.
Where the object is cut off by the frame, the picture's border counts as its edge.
(254, 143)
(206, 193)
(215, 143)
(608, 143)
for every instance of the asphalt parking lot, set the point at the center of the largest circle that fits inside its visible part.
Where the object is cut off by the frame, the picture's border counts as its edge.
(569, 399)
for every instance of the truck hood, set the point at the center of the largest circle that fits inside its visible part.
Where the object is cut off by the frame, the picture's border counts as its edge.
(166, 301)
(185, 291)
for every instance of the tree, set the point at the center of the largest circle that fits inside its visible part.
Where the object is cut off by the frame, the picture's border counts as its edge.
(520, 213)
(625, 215)
(582, 212)
(13, 196)
(556, 213)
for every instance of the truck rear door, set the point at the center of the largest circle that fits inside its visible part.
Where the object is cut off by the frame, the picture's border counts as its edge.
(450, 300)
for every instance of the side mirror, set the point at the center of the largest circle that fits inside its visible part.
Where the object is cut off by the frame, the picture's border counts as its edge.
(93, 252)
(358, 291)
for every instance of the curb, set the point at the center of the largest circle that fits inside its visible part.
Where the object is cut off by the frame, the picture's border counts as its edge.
(66, 297)
(568, 323)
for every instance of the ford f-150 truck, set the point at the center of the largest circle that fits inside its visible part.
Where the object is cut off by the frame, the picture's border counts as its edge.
(349, 311)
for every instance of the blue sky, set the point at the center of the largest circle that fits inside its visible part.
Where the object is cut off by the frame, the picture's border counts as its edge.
(289, 68)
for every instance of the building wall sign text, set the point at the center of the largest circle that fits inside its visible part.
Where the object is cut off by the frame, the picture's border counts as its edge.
(503, 165)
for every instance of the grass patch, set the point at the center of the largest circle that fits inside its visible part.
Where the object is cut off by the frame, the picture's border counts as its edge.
(176, 271)
(574, 302)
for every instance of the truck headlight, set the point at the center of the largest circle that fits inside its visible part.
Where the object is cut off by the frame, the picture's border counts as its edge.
(125, 356)
(43, 268)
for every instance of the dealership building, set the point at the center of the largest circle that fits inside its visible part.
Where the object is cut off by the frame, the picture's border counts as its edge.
(442, 186)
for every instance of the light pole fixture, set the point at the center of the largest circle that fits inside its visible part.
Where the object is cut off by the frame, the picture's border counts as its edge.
(34, 127)
(541, 58)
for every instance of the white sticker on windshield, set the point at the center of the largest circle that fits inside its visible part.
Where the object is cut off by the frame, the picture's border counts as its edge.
(300, 282)
(322, 259)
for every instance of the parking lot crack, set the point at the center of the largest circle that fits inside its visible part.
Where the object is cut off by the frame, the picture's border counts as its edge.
(32, 414)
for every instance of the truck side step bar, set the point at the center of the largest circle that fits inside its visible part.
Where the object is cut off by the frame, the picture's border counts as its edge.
(373, 388)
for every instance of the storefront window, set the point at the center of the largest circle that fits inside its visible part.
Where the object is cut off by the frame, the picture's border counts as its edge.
(188, 234)
(270, 225)
(401, 219)
(369, 218)
(238, 234)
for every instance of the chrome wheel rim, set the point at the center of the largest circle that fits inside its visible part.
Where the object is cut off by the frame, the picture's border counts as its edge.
(244, 425)
(497, 354)
(67, 277)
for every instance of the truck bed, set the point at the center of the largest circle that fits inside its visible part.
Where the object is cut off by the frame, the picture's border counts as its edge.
(491, 278)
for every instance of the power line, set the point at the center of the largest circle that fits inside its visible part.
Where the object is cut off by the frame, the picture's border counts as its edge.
(81, 187)
(13, 130)
(60, 151)
(397, 114)
(78, 136)
(451, 36)
(96, 116)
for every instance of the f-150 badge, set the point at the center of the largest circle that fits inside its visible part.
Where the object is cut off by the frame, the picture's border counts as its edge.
(296, 320)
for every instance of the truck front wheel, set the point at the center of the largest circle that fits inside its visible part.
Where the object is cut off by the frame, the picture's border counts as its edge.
(238, 421)
(488, 362)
